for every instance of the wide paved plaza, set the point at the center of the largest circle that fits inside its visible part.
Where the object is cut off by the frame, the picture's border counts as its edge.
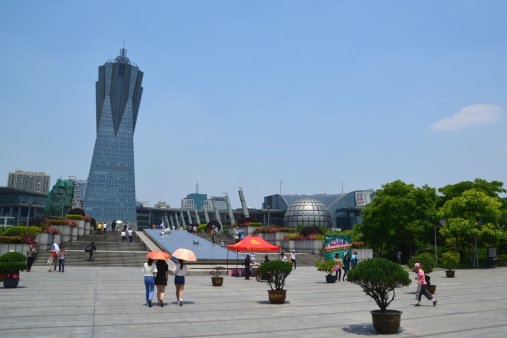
(110, 302)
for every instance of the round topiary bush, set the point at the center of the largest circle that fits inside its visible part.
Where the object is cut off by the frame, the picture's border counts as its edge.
(450, 260)
(378, 277)
(276, 272)
(77, 211)
(12, 262)
(312, 230)
(426, 260)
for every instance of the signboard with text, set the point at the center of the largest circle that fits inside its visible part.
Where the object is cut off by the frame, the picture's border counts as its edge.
(334, 244)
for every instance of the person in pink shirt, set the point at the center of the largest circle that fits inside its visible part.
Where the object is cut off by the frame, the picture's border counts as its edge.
(421, 282)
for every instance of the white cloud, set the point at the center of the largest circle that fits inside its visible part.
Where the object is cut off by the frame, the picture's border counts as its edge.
(469, 116)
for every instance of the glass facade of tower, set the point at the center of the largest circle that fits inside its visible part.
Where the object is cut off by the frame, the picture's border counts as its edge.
(111, 192)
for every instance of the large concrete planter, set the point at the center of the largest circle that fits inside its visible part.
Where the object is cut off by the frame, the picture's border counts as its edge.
(315, 247)
(87, 228)
(22, 248)
(73, 234)
(45, 241)
(274, 238)
(66, 233)
(57, 238)
(80, 227)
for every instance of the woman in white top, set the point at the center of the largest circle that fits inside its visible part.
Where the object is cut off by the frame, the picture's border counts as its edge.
(150, 270)
(180, 270)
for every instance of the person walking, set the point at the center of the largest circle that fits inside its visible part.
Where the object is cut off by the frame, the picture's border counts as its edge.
(161, 280)
(90, 249)
(131, 238)
(248, 261)
(346, 264)
(30, 256)
(55, 250)
(61, 259)
(180, 271)
(99, 228)
(354, 260)
(104, 227)
(293, 258)
(113, 226)
(150, 270)
(421, 283)
(339, 266)
(123, 236)
(398, 257)
(282, 257)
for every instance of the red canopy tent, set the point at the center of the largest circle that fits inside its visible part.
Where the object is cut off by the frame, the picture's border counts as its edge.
(251, 244)
(254, 243)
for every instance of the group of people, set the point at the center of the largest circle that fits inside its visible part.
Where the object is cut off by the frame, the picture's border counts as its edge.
(345, 264)
(57, 257)
(124, 233)
(114, 225)
(157, 274)
(250, 260)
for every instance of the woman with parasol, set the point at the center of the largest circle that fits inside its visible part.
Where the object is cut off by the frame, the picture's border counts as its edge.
(180, 270)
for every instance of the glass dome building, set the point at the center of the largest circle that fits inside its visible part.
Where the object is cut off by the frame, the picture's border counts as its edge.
(307, 212)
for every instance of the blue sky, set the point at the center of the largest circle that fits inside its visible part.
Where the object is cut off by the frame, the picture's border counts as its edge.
(319, 96)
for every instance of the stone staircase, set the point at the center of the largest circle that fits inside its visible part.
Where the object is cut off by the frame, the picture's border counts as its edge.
(110, 251)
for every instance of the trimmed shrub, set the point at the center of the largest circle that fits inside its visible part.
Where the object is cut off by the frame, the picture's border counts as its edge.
(379, 277)
(426, 260)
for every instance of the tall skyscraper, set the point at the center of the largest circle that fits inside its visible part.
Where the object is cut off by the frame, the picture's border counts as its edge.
(111, 190)
(29, 181)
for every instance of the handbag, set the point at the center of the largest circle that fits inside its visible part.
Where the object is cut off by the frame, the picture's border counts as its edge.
(88, 248)
(49, 261)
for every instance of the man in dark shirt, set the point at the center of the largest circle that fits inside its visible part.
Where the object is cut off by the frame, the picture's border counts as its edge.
(247, 266)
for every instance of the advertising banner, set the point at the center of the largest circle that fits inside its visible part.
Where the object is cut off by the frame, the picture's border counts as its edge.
(334, 244)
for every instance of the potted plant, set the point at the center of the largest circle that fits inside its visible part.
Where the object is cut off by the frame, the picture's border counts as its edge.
(327, 267)
(428, 264)
(276, 272)
(379, 277)
(215, 273)
(11, 263)
(450, 260)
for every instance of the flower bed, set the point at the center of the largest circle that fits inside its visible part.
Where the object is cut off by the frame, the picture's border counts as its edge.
(273, 230)
(298, 237)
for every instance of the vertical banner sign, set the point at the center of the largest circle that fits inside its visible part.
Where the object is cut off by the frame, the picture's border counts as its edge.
(334, 244)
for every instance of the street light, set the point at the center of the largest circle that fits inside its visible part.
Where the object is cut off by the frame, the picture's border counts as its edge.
(30, 201)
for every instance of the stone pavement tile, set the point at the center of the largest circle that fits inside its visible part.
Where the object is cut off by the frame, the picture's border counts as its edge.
(109, 302)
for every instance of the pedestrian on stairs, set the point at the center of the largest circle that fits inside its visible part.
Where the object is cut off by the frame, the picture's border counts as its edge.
(123, 236)
(92, 249)
(131, 239)
(105, 228)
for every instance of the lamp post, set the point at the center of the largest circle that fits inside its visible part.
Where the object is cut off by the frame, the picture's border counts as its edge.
(30, 201)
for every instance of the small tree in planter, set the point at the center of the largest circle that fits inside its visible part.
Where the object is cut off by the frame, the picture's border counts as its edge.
(11, 263)
(215, 273)
(276, 272)
(428, 264)
(450, 260)
(379, 277)
(327, 267)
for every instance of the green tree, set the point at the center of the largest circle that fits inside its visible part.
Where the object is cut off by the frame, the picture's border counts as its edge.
(492, 189)
(473, 216)
(399, 216)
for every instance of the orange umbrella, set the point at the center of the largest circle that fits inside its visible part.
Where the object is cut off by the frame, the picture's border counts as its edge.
(185, 254)
(161, 255)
